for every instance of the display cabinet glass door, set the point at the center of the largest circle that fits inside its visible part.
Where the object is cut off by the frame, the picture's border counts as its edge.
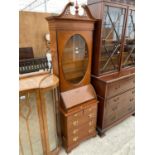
(50, 110)
(29, 125)
(129, 46)
(75, 59)
(112, 29)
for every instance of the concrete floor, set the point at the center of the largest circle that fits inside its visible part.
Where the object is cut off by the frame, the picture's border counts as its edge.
(119, 140)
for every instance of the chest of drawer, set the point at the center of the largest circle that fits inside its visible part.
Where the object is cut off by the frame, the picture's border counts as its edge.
(120, 86)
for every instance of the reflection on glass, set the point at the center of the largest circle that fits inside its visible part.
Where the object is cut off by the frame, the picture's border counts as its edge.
(75, 59)
(111, 38)
(129, 48)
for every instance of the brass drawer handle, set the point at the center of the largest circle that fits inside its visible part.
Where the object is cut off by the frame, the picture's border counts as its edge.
(117, 87)
(75, 122)
(75, 115)
(90, 130)
(90, 123)
(91, 115)
(131, 99)
(116, 99)
(75, 131)
(75, 139)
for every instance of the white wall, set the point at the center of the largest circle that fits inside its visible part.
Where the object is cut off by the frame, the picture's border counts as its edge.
(54, 6)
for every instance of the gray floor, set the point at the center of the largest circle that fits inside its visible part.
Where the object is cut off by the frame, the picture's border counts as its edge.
(119, 140)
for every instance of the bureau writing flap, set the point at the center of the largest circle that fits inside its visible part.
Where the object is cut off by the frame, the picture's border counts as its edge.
(77, 96)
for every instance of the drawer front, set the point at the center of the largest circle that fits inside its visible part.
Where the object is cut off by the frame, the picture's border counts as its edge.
(110, 119)
(120, 86)
(75, 116)
(121, 101)
(90, 112)
(91, 109)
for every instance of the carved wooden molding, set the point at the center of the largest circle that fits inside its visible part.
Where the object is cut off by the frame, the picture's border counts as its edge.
(66, 13)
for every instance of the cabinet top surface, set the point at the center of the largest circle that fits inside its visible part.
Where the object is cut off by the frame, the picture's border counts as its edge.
(37, 80)
(116, 76)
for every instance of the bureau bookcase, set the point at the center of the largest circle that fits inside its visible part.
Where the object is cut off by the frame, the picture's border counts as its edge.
(71, 47)
(113, 71)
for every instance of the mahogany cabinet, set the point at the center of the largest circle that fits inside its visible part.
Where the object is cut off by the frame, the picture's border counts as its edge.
(113, 60)
(39, 128)
(71, 47)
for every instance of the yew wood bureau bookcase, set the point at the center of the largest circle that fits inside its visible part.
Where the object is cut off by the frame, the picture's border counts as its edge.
(39, 128)
(113, 60)
(71, 47)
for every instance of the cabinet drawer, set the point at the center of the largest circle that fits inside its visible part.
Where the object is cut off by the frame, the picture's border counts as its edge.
(76, 123)
(83, 131)
(110, 119)
(118, 102)
(126, 110)
(91, 109)
(90, 112)
(120, 86)
(75, 116)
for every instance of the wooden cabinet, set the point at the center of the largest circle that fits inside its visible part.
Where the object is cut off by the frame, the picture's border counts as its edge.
(113, 60)
(39, 132)
(71, 46)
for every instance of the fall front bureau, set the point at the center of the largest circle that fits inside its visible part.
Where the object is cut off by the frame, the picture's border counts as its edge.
(78, 122)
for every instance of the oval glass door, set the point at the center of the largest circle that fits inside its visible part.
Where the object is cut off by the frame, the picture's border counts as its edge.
(75, 59)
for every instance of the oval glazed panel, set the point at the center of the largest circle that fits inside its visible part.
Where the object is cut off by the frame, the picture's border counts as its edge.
(75, 59)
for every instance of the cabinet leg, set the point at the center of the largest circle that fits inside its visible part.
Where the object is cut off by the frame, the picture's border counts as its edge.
(101, 134)
(133, 114)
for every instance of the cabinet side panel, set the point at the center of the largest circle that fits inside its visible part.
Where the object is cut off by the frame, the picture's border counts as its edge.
(54, 52)
(100, 113)
(99, 86)
(96, 48)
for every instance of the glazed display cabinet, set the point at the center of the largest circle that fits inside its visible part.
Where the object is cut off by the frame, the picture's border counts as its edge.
(71, 47)
(39, 129)
(113, 60)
